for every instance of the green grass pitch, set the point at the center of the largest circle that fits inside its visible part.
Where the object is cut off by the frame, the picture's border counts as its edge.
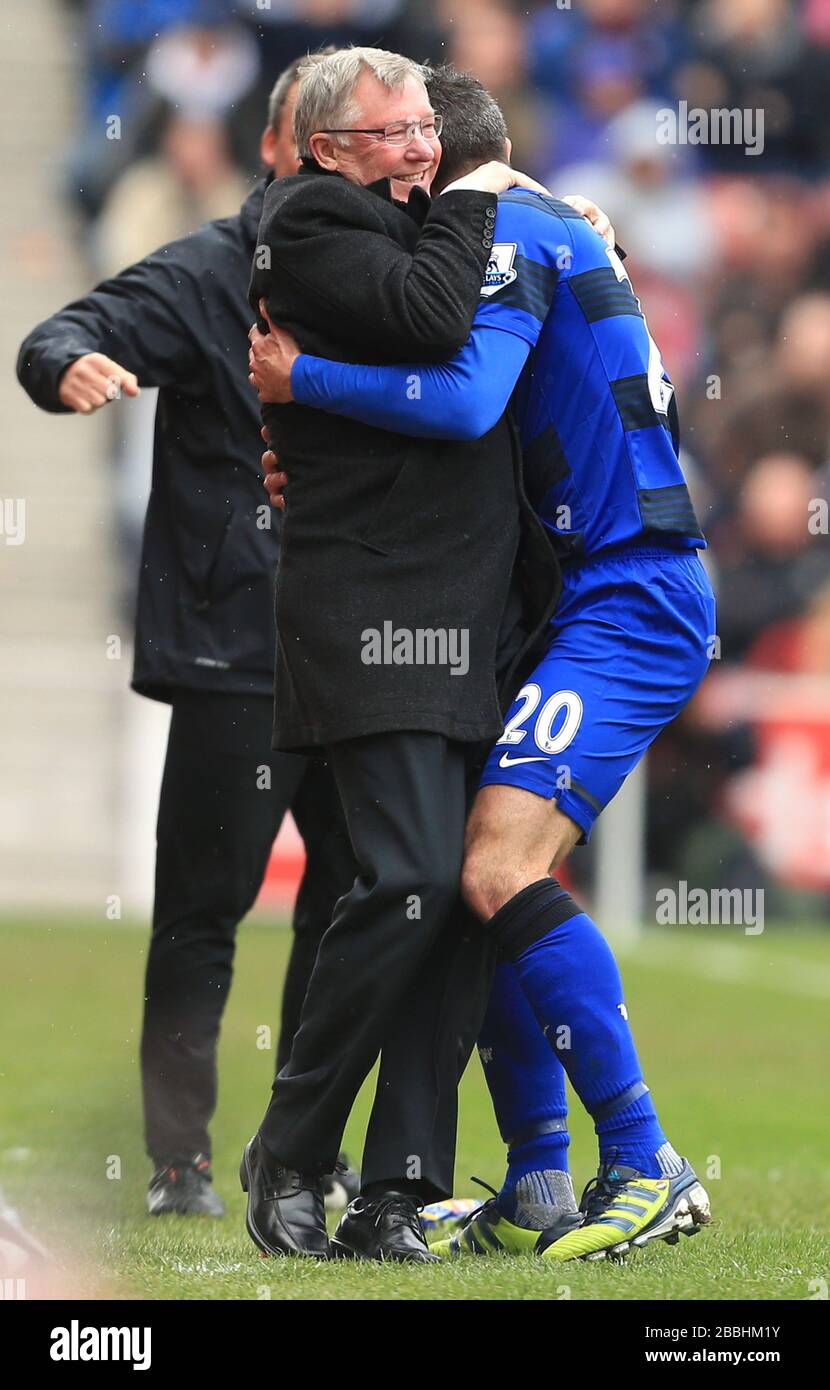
(734, 1031)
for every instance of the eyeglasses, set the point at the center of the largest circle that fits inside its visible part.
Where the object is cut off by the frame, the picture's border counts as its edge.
(401, 133)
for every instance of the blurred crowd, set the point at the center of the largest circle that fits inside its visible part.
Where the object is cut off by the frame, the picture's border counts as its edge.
(729, 249)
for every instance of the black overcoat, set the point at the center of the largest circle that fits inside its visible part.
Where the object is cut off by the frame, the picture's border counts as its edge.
(395, 550)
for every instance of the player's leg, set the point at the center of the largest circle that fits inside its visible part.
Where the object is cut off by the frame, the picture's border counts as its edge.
(527, 1087)
(612, 679)
(563, 963)
(217, 820)
(526, 1081)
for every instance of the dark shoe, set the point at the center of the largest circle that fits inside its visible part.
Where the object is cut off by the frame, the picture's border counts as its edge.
(286, 1212)
(341, 1186)
(186, 1188)
(388, 1228)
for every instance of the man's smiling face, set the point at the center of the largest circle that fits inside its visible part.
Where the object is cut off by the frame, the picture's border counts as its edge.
(364, 159)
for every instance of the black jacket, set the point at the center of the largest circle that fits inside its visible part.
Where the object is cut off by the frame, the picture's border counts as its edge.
(383, 534)
(179, 319)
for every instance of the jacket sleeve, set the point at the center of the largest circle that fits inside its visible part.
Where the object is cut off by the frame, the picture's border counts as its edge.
(139, 318)
(419, 305)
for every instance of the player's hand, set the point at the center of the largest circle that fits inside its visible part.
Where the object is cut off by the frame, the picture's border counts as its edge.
(270, 359)
(599, 220)
(94, 380)
(496, 177)
(275, 479)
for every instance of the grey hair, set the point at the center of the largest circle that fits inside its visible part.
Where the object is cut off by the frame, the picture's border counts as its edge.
(286, 80)
(326, 96)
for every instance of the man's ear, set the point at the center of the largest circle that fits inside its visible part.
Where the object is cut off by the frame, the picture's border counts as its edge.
(268, 147)
(324, 150)
(508, 148)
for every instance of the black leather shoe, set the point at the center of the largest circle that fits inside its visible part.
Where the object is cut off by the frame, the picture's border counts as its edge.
(286, 1212)
(385, 1229)
(185, 1188)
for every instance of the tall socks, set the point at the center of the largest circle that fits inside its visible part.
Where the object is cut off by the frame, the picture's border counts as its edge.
(569, 977)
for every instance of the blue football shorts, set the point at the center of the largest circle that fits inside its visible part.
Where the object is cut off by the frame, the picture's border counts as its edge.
(631, 639)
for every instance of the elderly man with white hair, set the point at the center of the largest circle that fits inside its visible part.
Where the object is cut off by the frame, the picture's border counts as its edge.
(396, 579)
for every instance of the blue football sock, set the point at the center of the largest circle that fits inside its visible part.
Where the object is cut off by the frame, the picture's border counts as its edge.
(527, 1086)
(571, 980)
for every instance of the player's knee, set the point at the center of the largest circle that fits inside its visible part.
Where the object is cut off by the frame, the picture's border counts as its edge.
(487, 882)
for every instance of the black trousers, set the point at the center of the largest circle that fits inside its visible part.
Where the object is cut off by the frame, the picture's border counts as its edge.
(404, 970)
(218, 818)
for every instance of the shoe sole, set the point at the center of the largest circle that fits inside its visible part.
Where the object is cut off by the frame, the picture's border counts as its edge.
(686, 1217)
(259, 1240)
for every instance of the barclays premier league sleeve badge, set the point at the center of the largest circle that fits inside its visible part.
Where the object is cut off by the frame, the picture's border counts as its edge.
(500, 270)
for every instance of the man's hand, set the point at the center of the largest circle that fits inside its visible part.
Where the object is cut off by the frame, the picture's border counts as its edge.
(275, 479)
(270, 359)
(495, 177)
(599, 220)
(92, 381)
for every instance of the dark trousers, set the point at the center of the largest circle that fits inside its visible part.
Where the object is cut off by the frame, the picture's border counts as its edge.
(217, 821)
(403, 968)
(330, 871)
